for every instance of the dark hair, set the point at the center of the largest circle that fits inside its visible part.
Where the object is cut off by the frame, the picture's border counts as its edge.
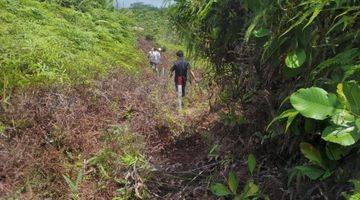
(180, 53)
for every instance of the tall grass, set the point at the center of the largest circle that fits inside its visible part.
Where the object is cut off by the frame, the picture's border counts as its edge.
(45, 43)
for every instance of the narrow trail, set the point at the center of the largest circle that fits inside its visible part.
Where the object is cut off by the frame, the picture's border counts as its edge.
(180, 145)
(175, 147)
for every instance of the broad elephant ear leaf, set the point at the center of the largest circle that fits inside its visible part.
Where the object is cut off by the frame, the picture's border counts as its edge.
(342, 118)
(344, 136)
(295, 58)
(313, 103)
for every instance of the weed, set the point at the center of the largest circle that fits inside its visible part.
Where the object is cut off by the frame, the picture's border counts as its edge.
(74, 185)
(250, 190)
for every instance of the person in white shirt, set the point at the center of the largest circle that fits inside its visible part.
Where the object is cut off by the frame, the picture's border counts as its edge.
(154, 57)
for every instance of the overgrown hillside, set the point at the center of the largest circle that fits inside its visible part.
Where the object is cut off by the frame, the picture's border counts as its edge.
(44, 42)
(66, 71)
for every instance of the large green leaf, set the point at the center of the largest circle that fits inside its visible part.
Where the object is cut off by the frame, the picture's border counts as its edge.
(313, 102)
(352, 93)
(295, 58)
(312, 172)
(251, 163)
(233, 182)
(313, 154)
(341, 135)
(342, 117)
(219, 190)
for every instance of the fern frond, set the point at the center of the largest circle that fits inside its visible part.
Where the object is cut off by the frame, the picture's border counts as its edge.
(343, 58)
(298, 22)
(317, 9)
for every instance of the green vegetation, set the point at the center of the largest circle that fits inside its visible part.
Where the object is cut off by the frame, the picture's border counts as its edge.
(154, 24)
(82, 116)
(45, 43)
(284, 48)
(250, 190)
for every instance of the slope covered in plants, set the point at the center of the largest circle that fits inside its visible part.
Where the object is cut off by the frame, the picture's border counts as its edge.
(44, 42)
(58, 61)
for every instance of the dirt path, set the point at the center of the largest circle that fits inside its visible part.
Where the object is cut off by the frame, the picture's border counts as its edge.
(175, 149)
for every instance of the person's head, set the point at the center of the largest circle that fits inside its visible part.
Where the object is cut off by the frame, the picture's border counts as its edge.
(159, 49)
(180, 54)
(152, 49)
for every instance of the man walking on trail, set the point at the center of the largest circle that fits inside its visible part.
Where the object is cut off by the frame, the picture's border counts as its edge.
(154, 57)
(181, 68)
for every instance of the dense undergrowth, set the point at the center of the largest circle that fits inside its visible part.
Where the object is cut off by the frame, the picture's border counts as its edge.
(297, 56)
(44, 42)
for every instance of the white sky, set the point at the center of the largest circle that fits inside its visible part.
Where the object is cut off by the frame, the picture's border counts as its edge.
(127, 3)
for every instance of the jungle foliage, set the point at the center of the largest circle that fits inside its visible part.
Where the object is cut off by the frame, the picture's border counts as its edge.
(303, 53)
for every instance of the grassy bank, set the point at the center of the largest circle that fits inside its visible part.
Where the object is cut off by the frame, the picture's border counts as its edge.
(44, 43)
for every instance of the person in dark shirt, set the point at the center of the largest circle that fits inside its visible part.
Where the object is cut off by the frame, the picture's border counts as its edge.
(181, 68)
